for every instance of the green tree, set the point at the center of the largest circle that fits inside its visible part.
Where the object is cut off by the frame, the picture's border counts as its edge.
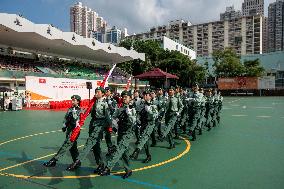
(253, 68)
(172, 62)
(227, 63)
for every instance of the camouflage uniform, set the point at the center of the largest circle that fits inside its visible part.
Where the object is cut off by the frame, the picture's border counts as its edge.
(201, 120)
(172, 111)
(194, 113)
(179, 118)
(147, 117)
(100, 120)
(126, 121)
(70, 121)
(209, 111)
(112, 104)
(71, 117)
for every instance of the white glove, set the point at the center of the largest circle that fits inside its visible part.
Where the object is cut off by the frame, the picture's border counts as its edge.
(177, 113)
(127, 110)
(74, 113)
(109, 102)
(77, 124)
(147, 108)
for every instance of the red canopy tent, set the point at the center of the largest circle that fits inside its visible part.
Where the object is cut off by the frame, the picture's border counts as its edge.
(156, 73)
(154, 76)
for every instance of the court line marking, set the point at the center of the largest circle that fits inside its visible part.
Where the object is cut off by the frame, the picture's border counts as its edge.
(264, 116)
(187, 149)
(262, 107)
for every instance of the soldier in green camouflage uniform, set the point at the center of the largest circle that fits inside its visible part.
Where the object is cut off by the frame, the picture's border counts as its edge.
(137, 103)
(172, 111)
(202, 120)
(219, 106)
(184, 113)
(158, 100)
(70, 122)
(126, 120)
(112, 104)
(147, 117)
(100, 120)
(194, 111)
(209, 109)
(215, 108)
(181, 108)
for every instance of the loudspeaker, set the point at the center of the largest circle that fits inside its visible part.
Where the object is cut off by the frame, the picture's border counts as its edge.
(89, 85)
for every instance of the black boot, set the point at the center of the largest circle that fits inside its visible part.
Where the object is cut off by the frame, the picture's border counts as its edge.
(153, 144)
(74, 165)
(127, 174)
(50, 163)
(135, 154)
(161, 138)
(99, 169)
(193, 136)
(105, 172)
(111, 150)
(172, 146)
(200, 131)
(176, 136)
(148, 159)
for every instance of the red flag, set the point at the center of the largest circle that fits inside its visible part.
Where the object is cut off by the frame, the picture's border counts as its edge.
(128, 84)
(41, 80)
(107, 76)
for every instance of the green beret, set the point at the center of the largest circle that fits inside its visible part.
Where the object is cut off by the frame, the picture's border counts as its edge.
(100, 89)
(147, 91)
(172, 87)
(77, 97)
(125, 92)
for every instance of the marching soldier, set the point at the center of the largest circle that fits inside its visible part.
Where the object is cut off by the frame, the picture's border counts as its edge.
(201, 120)
(100, 121)
(160, 102)
(70, 122)
(181, 108)
(219, 106)
(137, 103)
(147, 117)
(209, 109)
(172, 111)
(126, 120)
(112, 104)
(194, 111)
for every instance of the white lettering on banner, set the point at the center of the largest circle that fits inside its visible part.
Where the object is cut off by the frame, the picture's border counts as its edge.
(59, 88)
(227, 80)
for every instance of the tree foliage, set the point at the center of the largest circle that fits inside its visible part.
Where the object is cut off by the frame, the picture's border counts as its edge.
(228, 64)
(253, 68)
(170, 61)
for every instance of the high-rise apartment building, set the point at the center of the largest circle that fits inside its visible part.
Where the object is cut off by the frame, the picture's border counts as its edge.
(276, 26)
(84, 20)
(230, 14)
(253, 7)
(244, 34)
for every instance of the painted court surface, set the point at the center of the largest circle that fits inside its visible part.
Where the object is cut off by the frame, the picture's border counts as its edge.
(245, 151)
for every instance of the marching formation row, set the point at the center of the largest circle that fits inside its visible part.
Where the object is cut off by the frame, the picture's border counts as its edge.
(157, 116)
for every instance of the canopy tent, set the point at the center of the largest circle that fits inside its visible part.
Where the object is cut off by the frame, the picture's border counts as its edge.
(155, 76)
(156, 73)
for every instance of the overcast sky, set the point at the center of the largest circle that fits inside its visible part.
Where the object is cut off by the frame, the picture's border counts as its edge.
(136, 15)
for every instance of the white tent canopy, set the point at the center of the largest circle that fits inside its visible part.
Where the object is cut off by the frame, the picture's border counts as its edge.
(22, 34)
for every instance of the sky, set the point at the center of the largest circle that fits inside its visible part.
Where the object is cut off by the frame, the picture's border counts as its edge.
(135, 15)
